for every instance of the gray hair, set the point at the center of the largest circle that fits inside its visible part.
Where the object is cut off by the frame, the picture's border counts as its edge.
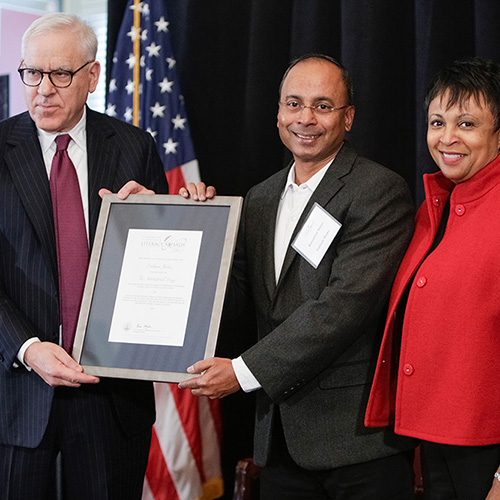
(52, 23)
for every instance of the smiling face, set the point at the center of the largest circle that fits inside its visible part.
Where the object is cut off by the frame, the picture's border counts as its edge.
(462, 138)
(54, 109)
(314, 139)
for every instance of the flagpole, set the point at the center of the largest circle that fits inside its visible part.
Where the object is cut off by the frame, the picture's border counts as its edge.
(137, 67)
(184, 461)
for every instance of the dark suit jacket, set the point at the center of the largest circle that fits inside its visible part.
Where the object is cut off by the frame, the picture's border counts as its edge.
(29, 304)
(319, 329)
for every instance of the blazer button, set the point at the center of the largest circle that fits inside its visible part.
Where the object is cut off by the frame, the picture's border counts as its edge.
(435, 201)
(408, 369)
(421, 282)
(459, 210)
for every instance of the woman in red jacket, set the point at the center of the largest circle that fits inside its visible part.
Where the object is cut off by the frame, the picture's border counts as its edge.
(435, 377)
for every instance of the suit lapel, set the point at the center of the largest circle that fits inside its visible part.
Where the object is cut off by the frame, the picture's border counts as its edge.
(326, 190)
(26, 166)
(268, 229)
(102, 157)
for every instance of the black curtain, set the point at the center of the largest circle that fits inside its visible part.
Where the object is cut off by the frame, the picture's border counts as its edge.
(231, 56)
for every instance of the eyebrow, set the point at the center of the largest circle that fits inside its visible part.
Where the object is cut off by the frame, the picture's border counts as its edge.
(59, 68)
(461, 115)
(315, 99)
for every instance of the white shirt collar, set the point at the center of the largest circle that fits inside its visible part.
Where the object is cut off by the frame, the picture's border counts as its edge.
(310, 184)
(78, 134)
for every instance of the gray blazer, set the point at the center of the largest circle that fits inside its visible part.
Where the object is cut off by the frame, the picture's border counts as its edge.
(319, 329)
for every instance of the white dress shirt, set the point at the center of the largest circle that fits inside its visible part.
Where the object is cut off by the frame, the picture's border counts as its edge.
(77, 151)
(292, 203)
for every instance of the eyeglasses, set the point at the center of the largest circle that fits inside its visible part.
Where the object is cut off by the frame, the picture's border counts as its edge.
(60, 78)
(320, 109)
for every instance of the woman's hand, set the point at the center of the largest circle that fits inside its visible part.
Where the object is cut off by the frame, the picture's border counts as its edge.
(494, 493)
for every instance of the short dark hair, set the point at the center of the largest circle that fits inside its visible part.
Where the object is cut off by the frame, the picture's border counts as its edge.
(346, 77)
(468, 78)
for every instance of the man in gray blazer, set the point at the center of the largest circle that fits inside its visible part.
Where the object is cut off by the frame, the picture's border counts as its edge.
(48, 404)
(318, 248)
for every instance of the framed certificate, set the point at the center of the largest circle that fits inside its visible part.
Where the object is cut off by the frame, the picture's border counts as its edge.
(155, 287)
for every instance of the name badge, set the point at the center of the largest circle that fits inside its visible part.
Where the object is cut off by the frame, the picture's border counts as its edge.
(316, 235)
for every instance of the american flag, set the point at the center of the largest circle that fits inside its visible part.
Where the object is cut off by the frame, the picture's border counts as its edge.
(184, 461)
(144, 88)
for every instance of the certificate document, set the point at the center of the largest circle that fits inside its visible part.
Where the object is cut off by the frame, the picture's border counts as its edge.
(155, 287)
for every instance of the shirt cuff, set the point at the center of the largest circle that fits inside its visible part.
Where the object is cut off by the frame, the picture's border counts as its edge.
(20, 354)
(245, 377)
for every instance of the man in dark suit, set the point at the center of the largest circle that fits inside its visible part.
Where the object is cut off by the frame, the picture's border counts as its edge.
(48, 404)
(319, 245)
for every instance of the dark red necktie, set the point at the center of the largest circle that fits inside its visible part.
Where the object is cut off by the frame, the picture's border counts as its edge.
(71, 238)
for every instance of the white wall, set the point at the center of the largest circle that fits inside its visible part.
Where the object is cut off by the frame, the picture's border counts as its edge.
(17, 15)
